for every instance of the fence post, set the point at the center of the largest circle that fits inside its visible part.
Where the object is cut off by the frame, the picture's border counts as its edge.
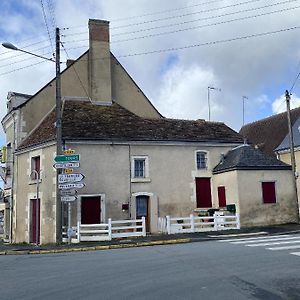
(144, 226)
(238, 221)
(168, 224)
(192, 223)
(78, 231)
(216, 225)
(109, 229)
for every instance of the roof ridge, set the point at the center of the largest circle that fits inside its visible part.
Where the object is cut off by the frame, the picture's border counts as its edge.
(269, 117)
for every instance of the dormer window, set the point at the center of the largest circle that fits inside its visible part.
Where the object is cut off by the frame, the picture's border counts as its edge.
(201, 160)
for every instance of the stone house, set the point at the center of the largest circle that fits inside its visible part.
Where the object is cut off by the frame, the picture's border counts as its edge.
(135, 162)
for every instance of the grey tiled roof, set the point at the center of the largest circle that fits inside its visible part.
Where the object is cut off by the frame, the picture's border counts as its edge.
(245, 157)
(85, 121)
(296, 135)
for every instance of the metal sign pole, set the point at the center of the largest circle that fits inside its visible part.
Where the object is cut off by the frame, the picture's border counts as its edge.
(69, 223)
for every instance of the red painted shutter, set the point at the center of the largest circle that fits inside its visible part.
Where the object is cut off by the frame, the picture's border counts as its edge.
(203, 193)
(37, 164)
(222, 196)
(268, 191)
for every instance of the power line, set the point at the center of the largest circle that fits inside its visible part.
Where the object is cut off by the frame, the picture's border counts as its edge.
(22, 54)
(296, 79)
(206, 25)
(26, 46)
(51, 13)
(189, 14)
(213, 42)
(205, 18)
(154, 13)
(22, 60)
(165, 11)
(189, 46)
(197, 27)
(46, 23)
(197, 20)
(203, 44)
(15, 70)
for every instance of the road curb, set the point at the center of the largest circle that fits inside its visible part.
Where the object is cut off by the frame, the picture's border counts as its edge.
(95, 248)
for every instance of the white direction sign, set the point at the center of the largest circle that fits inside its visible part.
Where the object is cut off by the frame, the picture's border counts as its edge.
(73, 177)
(69, 186)
(68, 192)
(68, 198)
(66, 165)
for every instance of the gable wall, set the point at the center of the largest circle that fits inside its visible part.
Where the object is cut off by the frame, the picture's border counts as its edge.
(37, 107)
(126, 93)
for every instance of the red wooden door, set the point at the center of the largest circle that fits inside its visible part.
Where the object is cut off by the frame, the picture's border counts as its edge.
(90, 210)
(222, 196)
(35, 221)
(203, 193)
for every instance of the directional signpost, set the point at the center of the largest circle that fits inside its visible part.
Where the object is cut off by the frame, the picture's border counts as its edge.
(68, 198)
(69, 181)
(75, 177)
(68, 186)
(68, 192)
(66, 165)
(66, 158)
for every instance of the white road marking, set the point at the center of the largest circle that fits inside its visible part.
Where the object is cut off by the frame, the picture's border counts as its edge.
(254, 238)
(239, 234)
(284, 248)
(269, 239)
(274, 243)
(295, 253)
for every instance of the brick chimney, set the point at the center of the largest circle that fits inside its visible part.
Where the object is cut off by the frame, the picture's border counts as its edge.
(99, 62)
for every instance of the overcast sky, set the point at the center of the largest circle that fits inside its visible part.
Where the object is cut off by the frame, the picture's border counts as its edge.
(242, 47)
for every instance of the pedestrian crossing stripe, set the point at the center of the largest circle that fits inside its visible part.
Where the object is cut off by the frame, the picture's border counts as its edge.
(254, 238)
(269, 239)
(285, 248)
(296, 253)
(274, 243)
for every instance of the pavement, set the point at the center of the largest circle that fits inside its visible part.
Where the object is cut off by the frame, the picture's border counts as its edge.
(149, 240)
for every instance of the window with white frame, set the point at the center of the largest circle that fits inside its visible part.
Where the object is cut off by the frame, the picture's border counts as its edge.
(139, 167)
(201, 160)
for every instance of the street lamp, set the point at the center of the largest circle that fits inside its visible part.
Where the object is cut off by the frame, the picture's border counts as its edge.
(58, 119)
(10, 46)
(208, 98)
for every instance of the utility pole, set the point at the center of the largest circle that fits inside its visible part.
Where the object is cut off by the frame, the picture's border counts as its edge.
(291, 141)
(58, 135)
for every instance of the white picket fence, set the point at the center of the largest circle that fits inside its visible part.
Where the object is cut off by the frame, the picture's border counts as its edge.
(199, 224)
(106, 231)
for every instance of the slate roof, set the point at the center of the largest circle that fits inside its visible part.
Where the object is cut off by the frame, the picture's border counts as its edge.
(86, 121)
(245, 157)
(268, 133)
(296, 136)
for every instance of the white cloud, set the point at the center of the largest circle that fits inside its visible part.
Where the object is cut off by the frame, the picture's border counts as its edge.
(183, 93)
(279, 104)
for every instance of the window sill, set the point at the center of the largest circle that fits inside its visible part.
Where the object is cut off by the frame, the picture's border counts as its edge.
(140, 180)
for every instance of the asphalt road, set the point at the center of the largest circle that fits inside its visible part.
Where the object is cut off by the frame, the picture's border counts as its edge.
(203, 270)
